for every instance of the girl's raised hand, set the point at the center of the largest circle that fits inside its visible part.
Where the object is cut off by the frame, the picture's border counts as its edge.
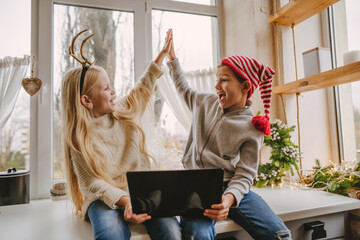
(168, 41)
(165, 50)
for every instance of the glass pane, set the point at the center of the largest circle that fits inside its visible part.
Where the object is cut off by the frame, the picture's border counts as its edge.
(204, 2)
(15, 134)
(347, 35)
(112, 47)
(194, 36)
(195, 41)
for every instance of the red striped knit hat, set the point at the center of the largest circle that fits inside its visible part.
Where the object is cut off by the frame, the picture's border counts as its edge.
(258, 75)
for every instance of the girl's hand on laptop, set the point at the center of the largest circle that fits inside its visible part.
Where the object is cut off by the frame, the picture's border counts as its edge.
(220, 211)
(128, 213)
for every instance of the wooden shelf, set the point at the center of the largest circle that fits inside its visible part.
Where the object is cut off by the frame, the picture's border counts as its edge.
(296, 11)
(341, 75)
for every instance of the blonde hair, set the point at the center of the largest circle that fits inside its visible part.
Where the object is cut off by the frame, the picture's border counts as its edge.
(77, 134)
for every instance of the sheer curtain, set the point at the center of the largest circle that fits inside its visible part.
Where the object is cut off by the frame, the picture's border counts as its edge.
(170, 158)
(12, 71)
(201, 80)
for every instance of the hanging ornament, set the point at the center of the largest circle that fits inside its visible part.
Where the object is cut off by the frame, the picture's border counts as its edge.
(33, 84)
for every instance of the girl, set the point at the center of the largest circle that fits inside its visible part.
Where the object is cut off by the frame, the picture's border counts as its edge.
(103, 140)
(225, 134)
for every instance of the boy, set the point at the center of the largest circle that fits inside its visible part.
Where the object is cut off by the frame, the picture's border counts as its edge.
(225, 134)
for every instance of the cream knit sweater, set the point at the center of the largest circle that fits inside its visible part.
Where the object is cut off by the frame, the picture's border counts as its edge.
(122, 147)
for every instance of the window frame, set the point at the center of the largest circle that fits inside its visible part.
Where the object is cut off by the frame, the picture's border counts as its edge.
(335, 89)
(336, 93)
(41, 114)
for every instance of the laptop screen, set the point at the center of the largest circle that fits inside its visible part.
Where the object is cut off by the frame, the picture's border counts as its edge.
(174, 192)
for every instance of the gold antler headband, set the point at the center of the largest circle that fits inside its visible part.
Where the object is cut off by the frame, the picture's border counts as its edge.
(85, 60)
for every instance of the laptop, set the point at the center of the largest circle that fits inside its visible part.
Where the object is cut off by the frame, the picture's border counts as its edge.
(166, 193)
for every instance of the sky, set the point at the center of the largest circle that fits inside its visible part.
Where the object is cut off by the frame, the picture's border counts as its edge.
(17, 40)
(15, 28)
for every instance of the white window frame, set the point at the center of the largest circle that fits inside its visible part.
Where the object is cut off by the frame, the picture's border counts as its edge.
(41, 119)
(339, 118)
(336, 119)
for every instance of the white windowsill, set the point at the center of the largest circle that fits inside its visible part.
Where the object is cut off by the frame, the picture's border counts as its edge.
(47, 219)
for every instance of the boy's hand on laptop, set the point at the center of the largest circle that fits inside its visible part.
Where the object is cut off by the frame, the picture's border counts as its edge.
(220, 211)
(128, 213)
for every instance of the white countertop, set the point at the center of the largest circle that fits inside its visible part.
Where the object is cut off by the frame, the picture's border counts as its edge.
(47, 219)
(294, 204)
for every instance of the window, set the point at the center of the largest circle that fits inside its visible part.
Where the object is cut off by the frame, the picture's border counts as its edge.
(113, 49)
(15, 134)
(196, 48)
(346, 34)
(134, 27)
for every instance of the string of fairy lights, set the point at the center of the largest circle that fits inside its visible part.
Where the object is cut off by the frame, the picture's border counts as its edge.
(341, 178)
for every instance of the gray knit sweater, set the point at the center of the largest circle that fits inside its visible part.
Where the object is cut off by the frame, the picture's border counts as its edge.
(122, 147)
(220, 140)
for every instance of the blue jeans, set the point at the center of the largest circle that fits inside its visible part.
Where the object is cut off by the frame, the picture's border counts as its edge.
(109, 224)
(253, 214)
(256, 217)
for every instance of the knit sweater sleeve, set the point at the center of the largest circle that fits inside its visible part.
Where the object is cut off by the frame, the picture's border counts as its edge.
(246, 170)
(94, 188)
(189, 95)
(148, 81)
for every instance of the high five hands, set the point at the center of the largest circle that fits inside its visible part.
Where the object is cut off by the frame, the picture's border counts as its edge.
(171, 54)
(166, 48)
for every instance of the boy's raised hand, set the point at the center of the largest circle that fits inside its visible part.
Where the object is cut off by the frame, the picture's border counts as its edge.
(166, 48)
(171, 53)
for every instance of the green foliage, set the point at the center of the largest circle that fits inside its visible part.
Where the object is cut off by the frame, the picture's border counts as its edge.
(336, 179)
(284, 155)
(357, 168)
(269, 174)
(284, 152)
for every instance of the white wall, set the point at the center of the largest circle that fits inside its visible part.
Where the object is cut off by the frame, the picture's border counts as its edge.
(247, 32)
(314, 112)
